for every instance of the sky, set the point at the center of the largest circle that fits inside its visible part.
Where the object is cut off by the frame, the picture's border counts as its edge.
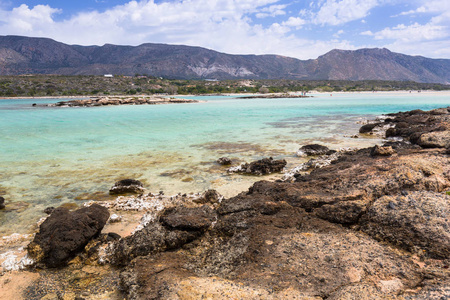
(303, 29)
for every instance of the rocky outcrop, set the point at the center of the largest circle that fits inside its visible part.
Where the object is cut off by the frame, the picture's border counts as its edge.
(355, 228)
(101, 101)
(313, 150)
(382, 150)
(260, 167)
(126, 186)
(63, 234)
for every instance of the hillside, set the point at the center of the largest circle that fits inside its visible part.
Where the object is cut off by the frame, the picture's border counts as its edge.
(24, 55)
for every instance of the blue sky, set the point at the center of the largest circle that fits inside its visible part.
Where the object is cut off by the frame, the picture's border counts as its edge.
(303, 29)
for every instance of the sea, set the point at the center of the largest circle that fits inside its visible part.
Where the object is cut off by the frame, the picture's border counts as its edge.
(53, 156)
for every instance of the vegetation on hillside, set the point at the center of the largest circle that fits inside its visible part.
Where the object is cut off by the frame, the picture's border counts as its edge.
(58, 85)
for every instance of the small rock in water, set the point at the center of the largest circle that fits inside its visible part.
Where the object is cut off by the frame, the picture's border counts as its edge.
(127, 186)
(313, 149)
(224, 161)
(2, 203)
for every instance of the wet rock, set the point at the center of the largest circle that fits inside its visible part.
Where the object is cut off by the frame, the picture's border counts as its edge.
(314, 149)
(382, 151)
(260, 167)
(127, 186)
(224, 161)
(2, 203)
(418, 221)
(368, 127)
(437, 139)
(63, 234)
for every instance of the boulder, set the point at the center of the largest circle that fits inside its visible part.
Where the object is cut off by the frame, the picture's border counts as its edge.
(2, 203)
(313, 149)
(63, 234)
(126, 186)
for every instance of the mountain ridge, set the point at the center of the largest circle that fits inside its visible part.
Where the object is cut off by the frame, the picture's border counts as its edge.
(28, 55)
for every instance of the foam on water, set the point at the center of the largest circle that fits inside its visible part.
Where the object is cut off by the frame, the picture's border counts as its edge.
(54, 156)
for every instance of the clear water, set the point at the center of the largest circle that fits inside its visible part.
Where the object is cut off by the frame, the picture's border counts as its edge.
(54, 156)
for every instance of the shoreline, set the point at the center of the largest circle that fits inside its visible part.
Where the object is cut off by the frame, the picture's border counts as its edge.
(126, 226)
(229, 94)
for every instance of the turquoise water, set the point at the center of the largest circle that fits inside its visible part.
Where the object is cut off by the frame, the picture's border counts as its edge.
(53, 156)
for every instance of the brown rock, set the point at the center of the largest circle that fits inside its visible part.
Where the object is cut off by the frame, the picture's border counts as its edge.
(382, 151)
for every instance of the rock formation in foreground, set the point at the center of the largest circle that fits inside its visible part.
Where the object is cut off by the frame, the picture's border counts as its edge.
(373, 224)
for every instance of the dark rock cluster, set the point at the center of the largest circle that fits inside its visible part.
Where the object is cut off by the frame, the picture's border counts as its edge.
(126, 186)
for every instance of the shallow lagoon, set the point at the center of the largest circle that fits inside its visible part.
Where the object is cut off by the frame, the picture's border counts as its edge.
(54, 156)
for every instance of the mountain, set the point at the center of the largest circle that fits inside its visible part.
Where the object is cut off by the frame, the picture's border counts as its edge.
(25, 55)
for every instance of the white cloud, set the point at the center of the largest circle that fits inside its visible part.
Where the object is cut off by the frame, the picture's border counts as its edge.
(336, 12)
(272, 11)
(294, 22)
(413, 33)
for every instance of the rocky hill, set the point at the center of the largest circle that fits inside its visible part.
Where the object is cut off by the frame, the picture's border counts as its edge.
(24, 55)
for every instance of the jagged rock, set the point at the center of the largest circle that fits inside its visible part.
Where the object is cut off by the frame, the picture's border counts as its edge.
(224, 161)
(382, 151)
(418, 220)
(127, 186)
(437, 139)
(176, 227)
(260, 167)
(2, 203)
(63, 234)
(314, 149)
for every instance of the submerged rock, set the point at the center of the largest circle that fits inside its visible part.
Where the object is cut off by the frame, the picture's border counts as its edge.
(314, 149)
(127, 186)
(224, 161)
(2, 203)
(63, 234)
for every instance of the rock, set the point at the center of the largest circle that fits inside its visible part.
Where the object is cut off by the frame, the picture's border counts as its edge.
(127, 186)
(260, 167)
(49, 210)
(368, 127)
(2, 203)
(63, 234)
(437, 139)
(198, 218)
(382, 151)
(177, 226)
(115, 218)
(224, 161)
(313, 149)
(416, 221)
(210, 196)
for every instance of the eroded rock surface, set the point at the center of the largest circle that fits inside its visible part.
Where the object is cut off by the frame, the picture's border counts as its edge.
(260, 167)
(63, 234)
